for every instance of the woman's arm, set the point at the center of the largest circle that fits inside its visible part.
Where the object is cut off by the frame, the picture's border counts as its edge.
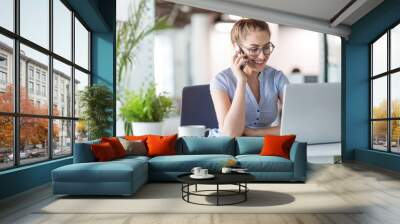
(230, 116)
(262, 131)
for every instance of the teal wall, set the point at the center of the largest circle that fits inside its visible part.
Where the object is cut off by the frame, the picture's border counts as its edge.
(99, 16)
(355, 84)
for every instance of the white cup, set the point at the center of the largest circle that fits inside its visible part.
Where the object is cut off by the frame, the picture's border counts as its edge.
(192, 130)
(226, 170)
(196, 171)
(203, 172)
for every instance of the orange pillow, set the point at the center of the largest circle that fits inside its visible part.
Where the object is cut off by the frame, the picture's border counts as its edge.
(161, 145)
(103, 151)
(116, 145)
(275, 145)
(135, 138)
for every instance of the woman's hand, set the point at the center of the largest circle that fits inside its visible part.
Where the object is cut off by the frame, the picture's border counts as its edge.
(238, 60)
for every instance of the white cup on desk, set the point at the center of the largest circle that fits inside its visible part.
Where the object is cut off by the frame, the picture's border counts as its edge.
(192, 130)
(196, 171)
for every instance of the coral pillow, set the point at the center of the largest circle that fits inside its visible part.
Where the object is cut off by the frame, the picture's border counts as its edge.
(116, 145)
(161, 145)
(103, 151)
(277, 145)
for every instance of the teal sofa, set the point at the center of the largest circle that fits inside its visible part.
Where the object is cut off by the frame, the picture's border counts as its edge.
(125, 176)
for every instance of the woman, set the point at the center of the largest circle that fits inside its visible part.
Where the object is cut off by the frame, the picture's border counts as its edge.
(246, 95)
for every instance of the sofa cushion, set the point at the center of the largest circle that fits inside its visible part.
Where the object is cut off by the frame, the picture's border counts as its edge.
(83, 152)
(116, 145)
(257, 163)
(249, 145)
(159, 145)
(103, 152)
(275, 145)
(111, 171)
(194, 145)
(134, 147)
(185, 163)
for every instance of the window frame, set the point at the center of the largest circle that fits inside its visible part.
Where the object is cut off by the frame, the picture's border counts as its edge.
(16, 114)
(388, 74)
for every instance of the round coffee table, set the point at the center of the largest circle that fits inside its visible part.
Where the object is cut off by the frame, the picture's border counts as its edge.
(238, 179)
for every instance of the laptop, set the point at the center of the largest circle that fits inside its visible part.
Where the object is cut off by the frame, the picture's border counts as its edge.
(312, 112)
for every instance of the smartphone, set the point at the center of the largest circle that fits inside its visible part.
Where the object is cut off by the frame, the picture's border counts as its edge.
(239, 50)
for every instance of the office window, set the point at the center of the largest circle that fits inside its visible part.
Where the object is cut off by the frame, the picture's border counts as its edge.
(62, 137)
(50, 135)
(81, 81)
(62, 29)
(7, 14)
(6, 71)
(385, 91)
(62, 73)
(34, 145)
(81, 45)
(6, 142)
(35, 21)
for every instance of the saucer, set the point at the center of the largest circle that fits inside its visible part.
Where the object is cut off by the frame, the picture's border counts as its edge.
(208, 176)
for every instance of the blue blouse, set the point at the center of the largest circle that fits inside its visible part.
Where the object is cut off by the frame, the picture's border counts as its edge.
(262, 114)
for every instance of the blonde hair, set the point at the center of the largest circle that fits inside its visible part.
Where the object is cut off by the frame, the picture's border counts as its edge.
(244, 26)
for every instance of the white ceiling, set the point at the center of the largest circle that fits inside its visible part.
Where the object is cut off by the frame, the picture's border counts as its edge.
(315, 15)
(320, 9)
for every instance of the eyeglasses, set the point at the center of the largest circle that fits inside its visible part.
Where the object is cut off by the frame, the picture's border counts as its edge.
(255, 51)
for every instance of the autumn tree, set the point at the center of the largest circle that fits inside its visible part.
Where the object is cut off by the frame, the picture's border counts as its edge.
(33, 130)
(380, 127)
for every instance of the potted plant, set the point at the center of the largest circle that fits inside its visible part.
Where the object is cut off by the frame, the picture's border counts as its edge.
(96, 103)
(129, 35)
(146, 110)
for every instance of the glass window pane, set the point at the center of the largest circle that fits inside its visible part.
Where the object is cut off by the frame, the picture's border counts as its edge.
(81, 131)
(395, 94)
(379, 97)
(81, 81)
(395, 136)
(35, 21)
(379, 56)
(81, 45)
(34, 97)
(7, 14)
(62, 29)
(6, 74)
(6, 142)
(62, 89)
(334, 58)
(62, 138)
(33, 139)
(379, 135)
(395, 47)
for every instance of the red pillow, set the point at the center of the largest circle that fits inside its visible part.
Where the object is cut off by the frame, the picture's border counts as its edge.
(277, 145)
(116, 145)
(161, 145)
(103, 151)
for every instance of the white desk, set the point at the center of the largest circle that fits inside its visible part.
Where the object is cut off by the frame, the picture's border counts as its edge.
(324, 153)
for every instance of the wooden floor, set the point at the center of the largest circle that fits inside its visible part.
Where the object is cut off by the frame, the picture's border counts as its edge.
(378, 189)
